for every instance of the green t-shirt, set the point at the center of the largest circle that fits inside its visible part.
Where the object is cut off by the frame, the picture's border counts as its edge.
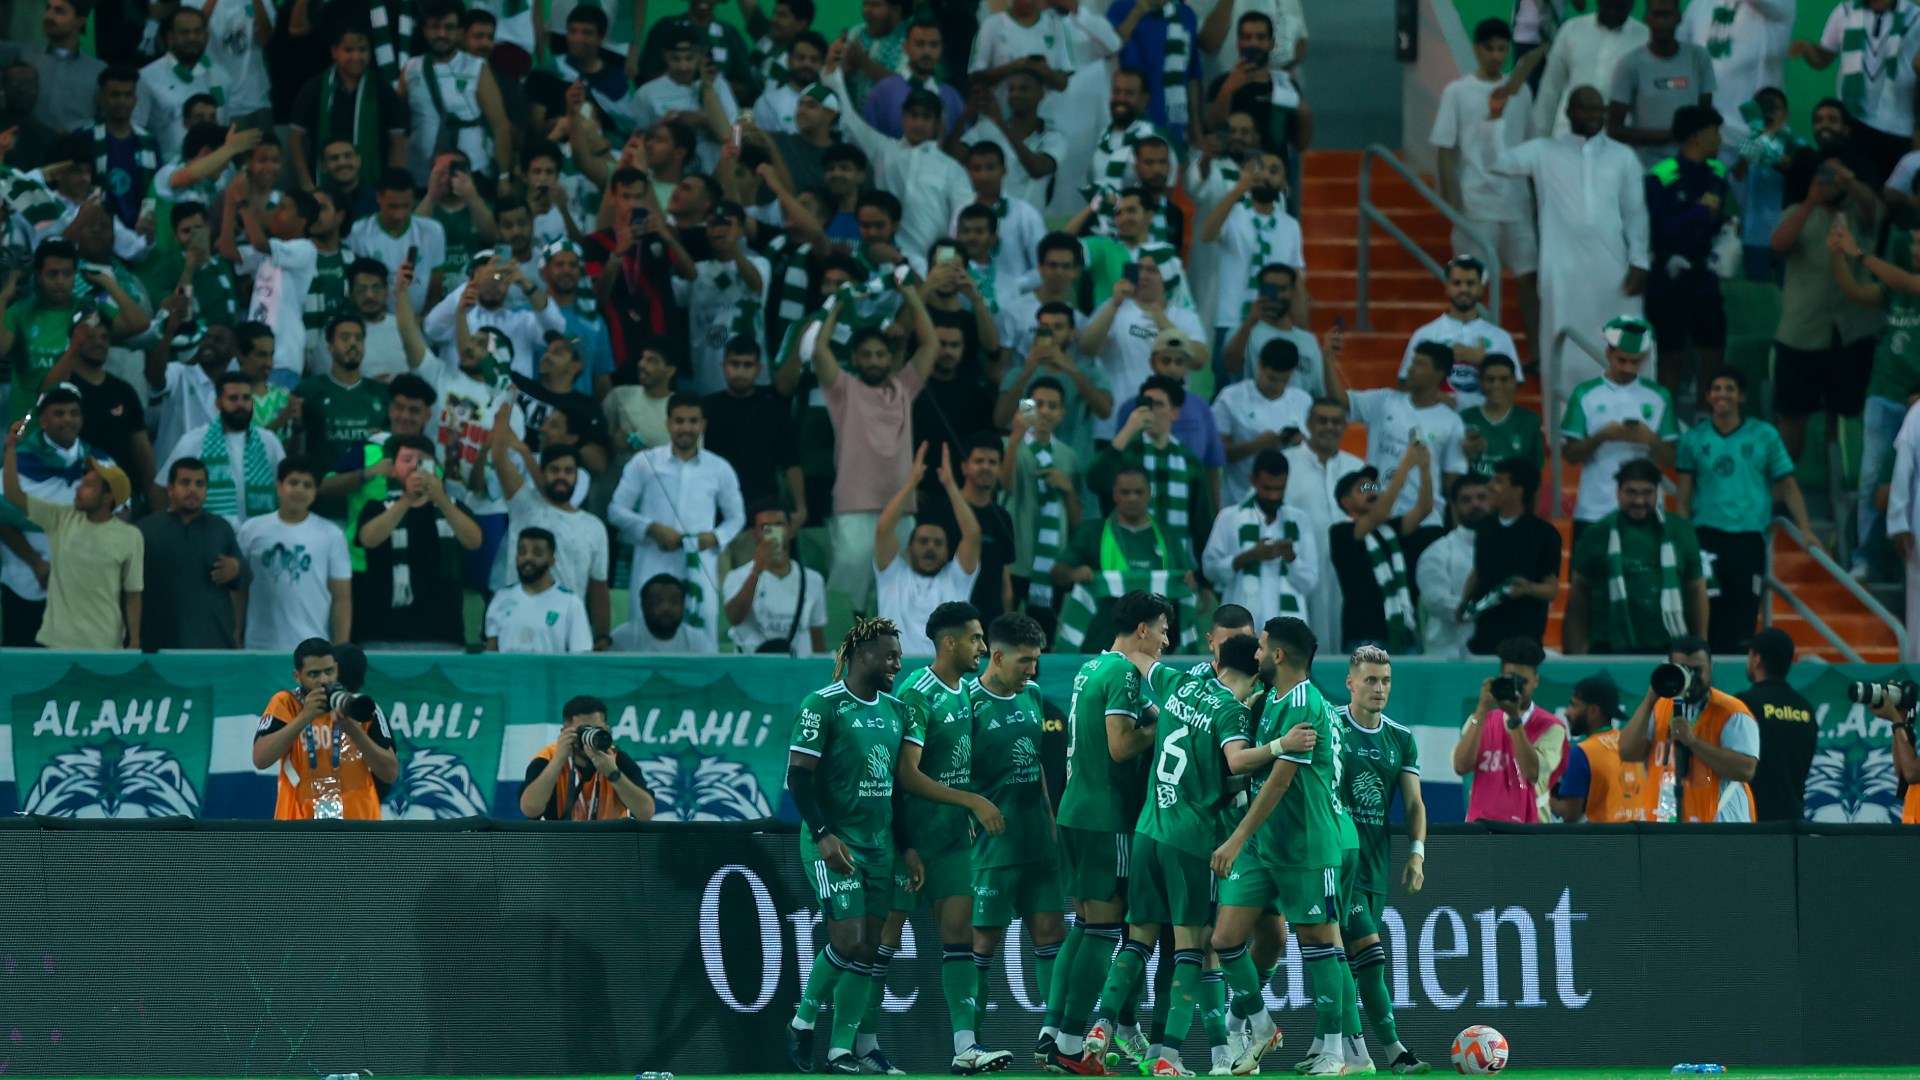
(339, 418)
(1517, 435)
(1102, 794)
(857, 743)
(1370, 766)
(1896, 362)
(40, 334)
(1006, 769)
(940, 723)
(327, 294)
(1734, 474)
(1199, 716)
(1310, 829)
(1141, 548)
(1640, 566)
(463, 240)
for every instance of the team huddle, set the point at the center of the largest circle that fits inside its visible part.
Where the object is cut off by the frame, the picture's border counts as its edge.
(1206, 808)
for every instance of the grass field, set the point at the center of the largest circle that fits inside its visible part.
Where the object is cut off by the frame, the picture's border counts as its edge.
(1807, 1073)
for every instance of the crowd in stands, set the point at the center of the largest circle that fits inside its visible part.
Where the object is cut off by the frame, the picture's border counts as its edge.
(433, 326)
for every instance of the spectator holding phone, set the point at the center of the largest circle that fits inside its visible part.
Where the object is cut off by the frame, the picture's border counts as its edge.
(1266, 412)
(1616, 418)
(1513, 748)
(774, 604)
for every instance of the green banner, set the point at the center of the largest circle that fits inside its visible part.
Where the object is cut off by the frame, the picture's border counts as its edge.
(90, 745)
(447, 736)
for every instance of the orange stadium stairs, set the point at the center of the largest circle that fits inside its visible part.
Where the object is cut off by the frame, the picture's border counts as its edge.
(1403, 296)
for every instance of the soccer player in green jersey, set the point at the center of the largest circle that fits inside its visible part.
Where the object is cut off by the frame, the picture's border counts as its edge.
(935, 770)
(1377, 757)
(1303, 833)
(840, 767)
(1108, 728)
(1015, 872)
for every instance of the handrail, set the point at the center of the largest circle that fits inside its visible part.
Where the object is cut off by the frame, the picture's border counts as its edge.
(1549, 374)
(1371, 214)
(1833, 569)
(1847, 652)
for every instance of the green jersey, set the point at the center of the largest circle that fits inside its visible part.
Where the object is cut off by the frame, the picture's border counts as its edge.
(40, 335)
(1517, 435)
(1102, 794)
(1733, 474)
(1371, 761)
(1310, 829)
(339, 418)
(940, 723)
(1896, 363)
(1199, 716)
(857, 743)
(326, 294)
(1006, 769)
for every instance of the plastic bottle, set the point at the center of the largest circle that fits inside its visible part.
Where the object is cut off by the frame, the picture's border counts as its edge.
(653, 1076)
(1706, 1068)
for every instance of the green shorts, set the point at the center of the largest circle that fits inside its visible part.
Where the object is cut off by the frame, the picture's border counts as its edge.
(866, 891)
(1097, 863)
(1309, 897)
(1250, 885)
(949, 873)
(1169, 887)
(1002, 892)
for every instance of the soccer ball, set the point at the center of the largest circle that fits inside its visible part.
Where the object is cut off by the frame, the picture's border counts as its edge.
(1479, 1050)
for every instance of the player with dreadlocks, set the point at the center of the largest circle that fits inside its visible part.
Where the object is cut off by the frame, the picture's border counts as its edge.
(840, 766)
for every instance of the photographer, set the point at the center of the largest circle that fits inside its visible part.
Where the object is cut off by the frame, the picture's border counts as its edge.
(1906, 763)
(1701, 738)
(1514, 748)
(332, 744)
(580, 776)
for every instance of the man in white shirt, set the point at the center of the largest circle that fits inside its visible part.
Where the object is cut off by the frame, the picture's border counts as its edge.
(448, 87)
(774, 604)
(1877, 70)
(1272, 317)
(1585, 50)
(1122, 332)
(1747, 42)
(241, 459)
(1442, 572)
(301, 578)
(1460, 328)
(395, 235)
(679, 505)
(1018, 228)
(1253, 231)
(237, 37)
(1315, 469)
(536, 614)
(910, 588)
(1259, 414)
(580, 539)
(1616, 418)
(167, 83)
(692, 91)
(1031, 147)
(774, 111)
(1262, 554)
(481, 304)
(1499, 208)
(1395, 418)
(1593, 225)
(1903, 506)
(725, 296)
(394, 343)
(931, 186)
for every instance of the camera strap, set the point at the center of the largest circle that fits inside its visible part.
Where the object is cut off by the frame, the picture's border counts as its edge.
(587, 792)
(800, 605)
(312, 743)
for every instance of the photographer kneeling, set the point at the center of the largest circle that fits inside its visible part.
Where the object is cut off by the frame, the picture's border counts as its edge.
(581, 776)
(1701, 745)
(332, 743)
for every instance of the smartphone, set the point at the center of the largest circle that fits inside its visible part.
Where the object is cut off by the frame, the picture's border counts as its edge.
(1269, 292)
(777, 533)
(900, 273)
(639, 216)
(1257, 57)
(946, 255)
(502, 253)
(1132, 274)
(413, 253)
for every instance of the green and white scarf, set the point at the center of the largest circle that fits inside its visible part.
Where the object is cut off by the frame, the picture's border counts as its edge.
(30, 201)
(1673, 614)
(1113, 157)
(1720, 29)
(696, 604)
(1390, 573)
(790, 282)
(766, 57)
(1050, 524)
(1168, 483)
(392, 34)
(146, 155)
(368, 134)
(1175, 64)
(1858, 70)
(1264, 228)
(1077, 614)
(256, 474)
(1252, 520)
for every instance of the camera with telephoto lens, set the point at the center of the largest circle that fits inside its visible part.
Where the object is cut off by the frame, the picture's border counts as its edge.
(1505, 688)
(1670, 681)
(595, 740)
(341, 700)
(1900, 696)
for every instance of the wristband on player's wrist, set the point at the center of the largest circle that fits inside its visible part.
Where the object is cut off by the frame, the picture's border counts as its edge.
(1275, 748)
(821, 832)
(1417, 847)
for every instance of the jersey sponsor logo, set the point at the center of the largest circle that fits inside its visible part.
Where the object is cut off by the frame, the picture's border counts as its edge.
(1026, 760)
(1369, 795)
(809, 724)
(877, 783)
(1165, 795)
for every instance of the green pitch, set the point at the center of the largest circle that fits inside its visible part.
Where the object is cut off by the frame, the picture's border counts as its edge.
(1836, 1072)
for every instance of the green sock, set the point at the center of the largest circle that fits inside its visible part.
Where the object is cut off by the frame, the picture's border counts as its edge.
(1370, 973)
(1089, 971)
(1062, 975)
(959, 984)
(1128, 1015)
(1182, 997)
(1244, 978)
(822, 978)
(1350, 1004)
(1162, 1002)
(1326, 967)
(982, 970)
(849, 1009)
(1045, 958)
(1122, 978)
(1213, 1005)
(883, 956)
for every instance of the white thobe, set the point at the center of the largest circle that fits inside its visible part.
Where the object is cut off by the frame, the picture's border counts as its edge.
(1310, 483)
(1584, 54)
(1261, 592)
(1593, 227)
(1902, 503)
(1441, 575)
(931, 186)
(691, 496)
(1758, 54)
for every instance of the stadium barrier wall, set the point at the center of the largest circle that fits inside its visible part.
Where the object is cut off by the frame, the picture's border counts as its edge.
(125, 735)
(265, 949)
